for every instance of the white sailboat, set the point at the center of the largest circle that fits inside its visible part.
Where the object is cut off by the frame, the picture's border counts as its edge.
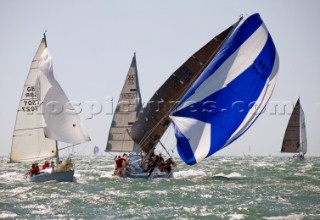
(44, 117)
(295, 137)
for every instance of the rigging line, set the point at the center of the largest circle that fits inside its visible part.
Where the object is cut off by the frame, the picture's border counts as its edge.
(109, 153)
(148, 155)
(68, 146)
(84, 146)
(164, 148)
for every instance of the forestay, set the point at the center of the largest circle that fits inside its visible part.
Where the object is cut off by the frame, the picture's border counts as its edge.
(230, 93)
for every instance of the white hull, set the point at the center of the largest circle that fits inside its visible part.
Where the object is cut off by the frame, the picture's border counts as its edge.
(135, 171)
(66, 176)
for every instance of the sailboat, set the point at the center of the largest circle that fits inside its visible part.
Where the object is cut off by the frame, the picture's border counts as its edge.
(44, 117)
(96, 150)
(127, 110)
(215, 96)
(295, 136)
(128, 107)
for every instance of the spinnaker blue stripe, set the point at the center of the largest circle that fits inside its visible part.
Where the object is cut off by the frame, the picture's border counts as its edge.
(184, 148)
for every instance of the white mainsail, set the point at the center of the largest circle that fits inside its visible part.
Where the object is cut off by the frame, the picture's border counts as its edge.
(37, 130)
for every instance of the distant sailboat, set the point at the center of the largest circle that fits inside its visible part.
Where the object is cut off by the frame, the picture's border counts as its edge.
(45, 117)
(295, 137)
(209, 98)
(96, 150)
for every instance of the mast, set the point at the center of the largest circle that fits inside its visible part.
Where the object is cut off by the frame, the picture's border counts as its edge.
(45, 39)
(154, 119)
(57, 155)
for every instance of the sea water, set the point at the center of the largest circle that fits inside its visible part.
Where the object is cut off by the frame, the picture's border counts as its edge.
(216, 188)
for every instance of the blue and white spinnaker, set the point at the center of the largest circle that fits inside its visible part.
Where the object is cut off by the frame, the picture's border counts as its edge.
(230, 93)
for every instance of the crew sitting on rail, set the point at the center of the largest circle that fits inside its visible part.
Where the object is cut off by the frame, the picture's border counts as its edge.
(120, 166)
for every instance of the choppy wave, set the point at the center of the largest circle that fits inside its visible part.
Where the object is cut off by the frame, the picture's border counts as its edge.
(219, 188)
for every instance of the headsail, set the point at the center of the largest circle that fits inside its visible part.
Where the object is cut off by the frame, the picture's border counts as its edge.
(295, 140)
(303, 132)
(61, 122)
(128, 107)
(229, 94)
(154, 119)
(29, 142)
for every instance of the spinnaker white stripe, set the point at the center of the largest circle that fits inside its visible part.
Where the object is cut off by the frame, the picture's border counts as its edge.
(200, 140)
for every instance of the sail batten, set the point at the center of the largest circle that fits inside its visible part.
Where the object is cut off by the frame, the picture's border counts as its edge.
(126, 112)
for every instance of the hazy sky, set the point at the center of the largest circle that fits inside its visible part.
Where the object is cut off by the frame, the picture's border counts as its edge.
(92, 44)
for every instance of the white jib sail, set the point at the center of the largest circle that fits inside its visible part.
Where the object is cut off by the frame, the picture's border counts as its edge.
(303, 132)
(61, 122)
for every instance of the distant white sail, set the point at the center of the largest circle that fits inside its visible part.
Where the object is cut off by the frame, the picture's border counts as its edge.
(37, 127)
(304, 144)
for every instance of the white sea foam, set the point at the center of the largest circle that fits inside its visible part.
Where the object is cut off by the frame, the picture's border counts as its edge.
(12, 177)
(263, 164)
(289, 217)
(7, 214)
(236, 216)
(188, 173)
(108, 174)
(231, 176)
